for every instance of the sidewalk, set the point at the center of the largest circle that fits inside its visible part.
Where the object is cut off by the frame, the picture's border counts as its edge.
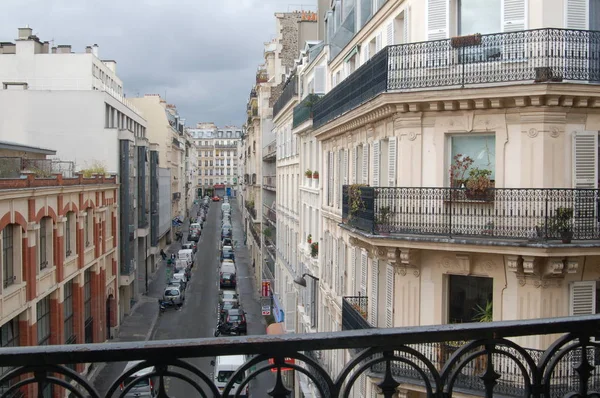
(139, 324)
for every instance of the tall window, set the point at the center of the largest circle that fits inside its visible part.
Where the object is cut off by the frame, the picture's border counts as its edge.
(43, 321)
(87, 307)
(479, 147)
(468, 296)
(8, 255)
(69, 236)
(476, 16)
(9, 337)
(88, 227)
(69, 329)
(45, 241)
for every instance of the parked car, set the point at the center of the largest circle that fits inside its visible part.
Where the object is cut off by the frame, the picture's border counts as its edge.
(236, 318)
(228, 294)
(144, 381)
(226, 242)
(194, 236)
(227, 253)
(191, 246)
(175, 294)
(178, 283)
(227, 279)
(216, 199)
(226, 232)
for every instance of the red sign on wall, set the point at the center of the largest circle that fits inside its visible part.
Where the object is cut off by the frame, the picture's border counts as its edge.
(266, 288)
(287, 360)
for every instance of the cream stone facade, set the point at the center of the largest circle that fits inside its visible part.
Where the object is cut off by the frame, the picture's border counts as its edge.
(400, 242)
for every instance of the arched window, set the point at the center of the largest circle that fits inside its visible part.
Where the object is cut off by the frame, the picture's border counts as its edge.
(70, 228)
(8, 255)
(45, 242)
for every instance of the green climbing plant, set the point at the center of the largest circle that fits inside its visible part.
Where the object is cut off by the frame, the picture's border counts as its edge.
(355, 201)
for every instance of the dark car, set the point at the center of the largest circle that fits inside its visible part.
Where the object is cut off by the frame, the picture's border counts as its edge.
(235, 317)
(227, 279)
(227, 305)
(226, 232)
(194, 236)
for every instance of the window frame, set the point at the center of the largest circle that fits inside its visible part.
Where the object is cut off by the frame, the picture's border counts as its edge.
(87, 307)
(88, 227)
(69, 314)
(450, 299)
(43, 314)
(450, 161)
(8, 252)
(43, 254)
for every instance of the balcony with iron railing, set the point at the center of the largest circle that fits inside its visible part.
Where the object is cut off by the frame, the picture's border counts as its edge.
(255, 234)
(304, 110)
(250, 208)
(534, 56)
(270, 151)
(290, 90)
(355, 312)
(487, 362)
(505, 214)
(270, 183)
(270, 215)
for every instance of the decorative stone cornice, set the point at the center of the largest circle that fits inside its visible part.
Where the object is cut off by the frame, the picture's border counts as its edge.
(541, 272)
(360, 244)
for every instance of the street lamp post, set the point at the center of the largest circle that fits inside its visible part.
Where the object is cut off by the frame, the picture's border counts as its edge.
(301, 280)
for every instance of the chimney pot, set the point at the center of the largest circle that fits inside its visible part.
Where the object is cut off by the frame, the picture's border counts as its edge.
(25, 32)
(45, 47)
(53, 50)
(95, 49)
(88, 49)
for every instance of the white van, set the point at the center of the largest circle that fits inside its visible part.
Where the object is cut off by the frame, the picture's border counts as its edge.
(186, 254)
(145, 387)
(225, 366)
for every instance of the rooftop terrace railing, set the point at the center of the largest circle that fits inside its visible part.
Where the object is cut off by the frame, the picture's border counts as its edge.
(561, 370)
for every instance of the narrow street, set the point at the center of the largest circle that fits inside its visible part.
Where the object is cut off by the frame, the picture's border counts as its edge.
(198, 316)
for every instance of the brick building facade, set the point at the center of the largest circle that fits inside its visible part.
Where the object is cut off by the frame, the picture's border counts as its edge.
(58, 243)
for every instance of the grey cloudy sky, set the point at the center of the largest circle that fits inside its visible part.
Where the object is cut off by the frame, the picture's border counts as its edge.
(202, 53)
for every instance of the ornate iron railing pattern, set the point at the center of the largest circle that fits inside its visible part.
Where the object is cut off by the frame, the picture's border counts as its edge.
(561, 370)
(538, 55)
(507, 213)
(289, 91)
(355, 312)
(304, 110)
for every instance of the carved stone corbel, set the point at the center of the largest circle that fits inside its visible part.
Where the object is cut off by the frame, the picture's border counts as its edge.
(540, 272)
(409, 260)
(464, 263)
(361, 244)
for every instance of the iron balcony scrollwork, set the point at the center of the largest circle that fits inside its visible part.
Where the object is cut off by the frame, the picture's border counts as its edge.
(569, 367)
(532, 214)
(536, 56)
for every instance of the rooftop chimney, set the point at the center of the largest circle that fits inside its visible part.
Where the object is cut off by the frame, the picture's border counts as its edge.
(88, 50)
(25, 32)
(64, 49)
(53, 50)
(46, 48)
(95, 49)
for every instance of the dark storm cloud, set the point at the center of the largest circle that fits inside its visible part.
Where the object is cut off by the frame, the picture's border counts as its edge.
(203, 54)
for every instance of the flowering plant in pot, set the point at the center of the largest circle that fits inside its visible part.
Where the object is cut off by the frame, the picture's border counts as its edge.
(315, 175)
(309, 239)
(308, 173)
(314, 249)
(479, 183)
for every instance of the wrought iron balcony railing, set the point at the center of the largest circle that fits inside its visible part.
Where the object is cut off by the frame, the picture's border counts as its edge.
(289, 91)
(270, 182)
(304, 110)
(569, 367)
(270, 214)
(505, 213)
(354, 313)
(255, 234)
(539, 55)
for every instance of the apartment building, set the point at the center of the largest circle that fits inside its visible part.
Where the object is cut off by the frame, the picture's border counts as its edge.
(59, 237)
(217, 158)
(176, 160)
(458, 149)
(102, 131)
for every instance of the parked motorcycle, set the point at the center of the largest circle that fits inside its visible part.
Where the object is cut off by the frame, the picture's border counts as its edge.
(178, 235)
(226, 329)
(164, 304)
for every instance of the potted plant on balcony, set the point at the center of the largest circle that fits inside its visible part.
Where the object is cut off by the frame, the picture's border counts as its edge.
(355, 202)
(267, 232)
(561, 224)
(314, 249)
(382, 219)
(483, 314)
(458, 169)
(308, 173)
(309, 239)
(315, 175)
(479, 184)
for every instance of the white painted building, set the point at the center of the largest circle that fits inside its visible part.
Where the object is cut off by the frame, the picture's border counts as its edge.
(51, 95)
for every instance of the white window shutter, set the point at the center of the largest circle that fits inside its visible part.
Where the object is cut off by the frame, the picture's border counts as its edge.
(374, 292)
(585, 159)
(513, 15)
(290, 312)
(392, 160)
(345, 168)
(330, 179)
(354, 164)
(378, 42)
(365, 164)
(334, 80)
(353, 259)
(583, 298)
(389, 296)
(437, 19)
(319, 82)
(363, 272)
(390, 34)
(406, 26)
(341, 290)
(576, 14)
(334, 265)
(376, 158)
(367, 52)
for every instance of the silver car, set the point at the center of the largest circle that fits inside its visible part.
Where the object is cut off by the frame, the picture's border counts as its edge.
(174, 294)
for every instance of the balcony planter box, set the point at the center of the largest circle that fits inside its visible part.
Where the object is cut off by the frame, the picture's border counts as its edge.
(466, 41)
(315, 175)
(308, 173)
